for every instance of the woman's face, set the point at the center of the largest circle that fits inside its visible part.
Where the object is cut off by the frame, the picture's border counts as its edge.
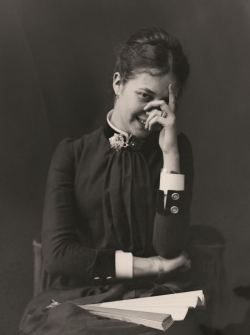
(133, 95)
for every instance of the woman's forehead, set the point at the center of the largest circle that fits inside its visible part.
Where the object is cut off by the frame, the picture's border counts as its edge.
(157, 83)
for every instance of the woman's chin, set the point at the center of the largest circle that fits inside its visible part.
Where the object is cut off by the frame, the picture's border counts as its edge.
(141, 132)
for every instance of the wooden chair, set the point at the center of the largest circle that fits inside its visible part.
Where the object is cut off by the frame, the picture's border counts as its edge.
(40, 275)
(206, 249)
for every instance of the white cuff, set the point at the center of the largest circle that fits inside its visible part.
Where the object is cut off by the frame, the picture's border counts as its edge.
(123, 264)
(171, 181)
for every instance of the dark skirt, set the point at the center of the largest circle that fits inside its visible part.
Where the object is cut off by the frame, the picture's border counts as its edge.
(69, 319)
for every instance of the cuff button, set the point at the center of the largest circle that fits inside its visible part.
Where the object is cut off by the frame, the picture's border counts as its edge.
(174, 209)
(175, 196)
(97, 278)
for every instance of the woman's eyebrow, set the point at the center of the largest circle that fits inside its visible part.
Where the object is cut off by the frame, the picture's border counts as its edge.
(147, 90)
(152, 92)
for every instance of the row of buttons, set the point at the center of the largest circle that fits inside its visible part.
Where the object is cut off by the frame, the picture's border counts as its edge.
(98, 278)
(175, 209)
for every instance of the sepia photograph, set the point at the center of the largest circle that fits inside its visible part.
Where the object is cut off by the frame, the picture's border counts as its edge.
(124, 167)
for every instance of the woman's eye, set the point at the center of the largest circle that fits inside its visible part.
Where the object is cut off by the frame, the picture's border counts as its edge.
(144, 96)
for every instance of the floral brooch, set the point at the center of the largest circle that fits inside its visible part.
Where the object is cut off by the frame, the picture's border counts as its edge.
(119, 141)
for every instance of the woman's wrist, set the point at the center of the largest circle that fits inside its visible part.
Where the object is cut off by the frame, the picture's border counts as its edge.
(144, 266)
(171, 161)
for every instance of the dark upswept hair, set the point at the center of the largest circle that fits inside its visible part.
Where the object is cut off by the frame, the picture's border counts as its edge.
(152, 48)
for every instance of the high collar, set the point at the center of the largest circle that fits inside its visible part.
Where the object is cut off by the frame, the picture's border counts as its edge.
(115, 129)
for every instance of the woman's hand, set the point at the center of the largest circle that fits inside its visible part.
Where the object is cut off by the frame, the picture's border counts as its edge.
(156, 265)
(163, 114)
(164, 265)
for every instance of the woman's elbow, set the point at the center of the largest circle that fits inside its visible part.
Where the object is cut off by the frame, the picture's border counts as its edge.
(53, 264)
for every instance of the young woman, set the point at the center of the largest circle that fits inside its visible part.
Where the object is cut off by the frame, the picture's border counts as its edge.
(117, 203)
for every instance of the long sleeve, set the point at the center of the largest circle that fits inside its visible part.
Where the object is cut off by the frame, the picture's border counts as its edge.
(172, 219)
(63, 251)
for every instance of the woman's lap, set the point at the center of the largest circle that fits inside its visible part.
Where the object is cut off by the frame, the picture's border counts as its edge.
(69, 319)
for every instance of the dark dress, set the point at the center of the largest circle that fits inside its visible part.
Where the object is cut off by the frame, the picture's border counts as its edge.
(99, 200)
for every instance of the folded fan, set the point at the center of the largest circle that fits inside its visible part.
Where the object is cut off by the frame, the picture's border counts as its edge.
(158, 312)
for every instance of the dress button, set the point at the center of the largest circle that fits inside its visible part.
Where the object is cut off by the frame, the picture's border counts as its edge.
(97, 278)
(175, 196)
(174, 209)
(109, 277)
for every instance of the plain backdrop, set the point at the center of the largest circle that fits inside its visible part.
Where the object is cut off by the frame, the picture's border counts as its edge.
(56, 62)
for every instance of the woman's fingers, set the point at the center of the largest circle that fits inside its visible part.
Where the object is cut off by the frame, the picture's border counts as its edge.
(159, 264)
(174, 263)
(172, 102)
(161, 104)
(160, 112)
(163, 121)
(154, 120)
(151, 115)
(155, 103)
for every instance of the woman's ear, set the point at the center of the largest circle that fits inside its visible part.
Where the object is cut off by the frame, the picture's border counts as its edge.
(117, 83)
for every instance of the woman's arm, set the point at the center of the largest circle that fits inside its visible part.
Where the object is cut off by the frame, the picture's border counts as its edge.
(174, 196)
(156, 265)
(63, 252)
(171, 230)
(172, 219)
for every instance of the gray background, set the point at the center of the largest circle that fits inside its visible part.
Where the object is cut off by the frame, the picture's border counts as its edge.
(56, 61)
